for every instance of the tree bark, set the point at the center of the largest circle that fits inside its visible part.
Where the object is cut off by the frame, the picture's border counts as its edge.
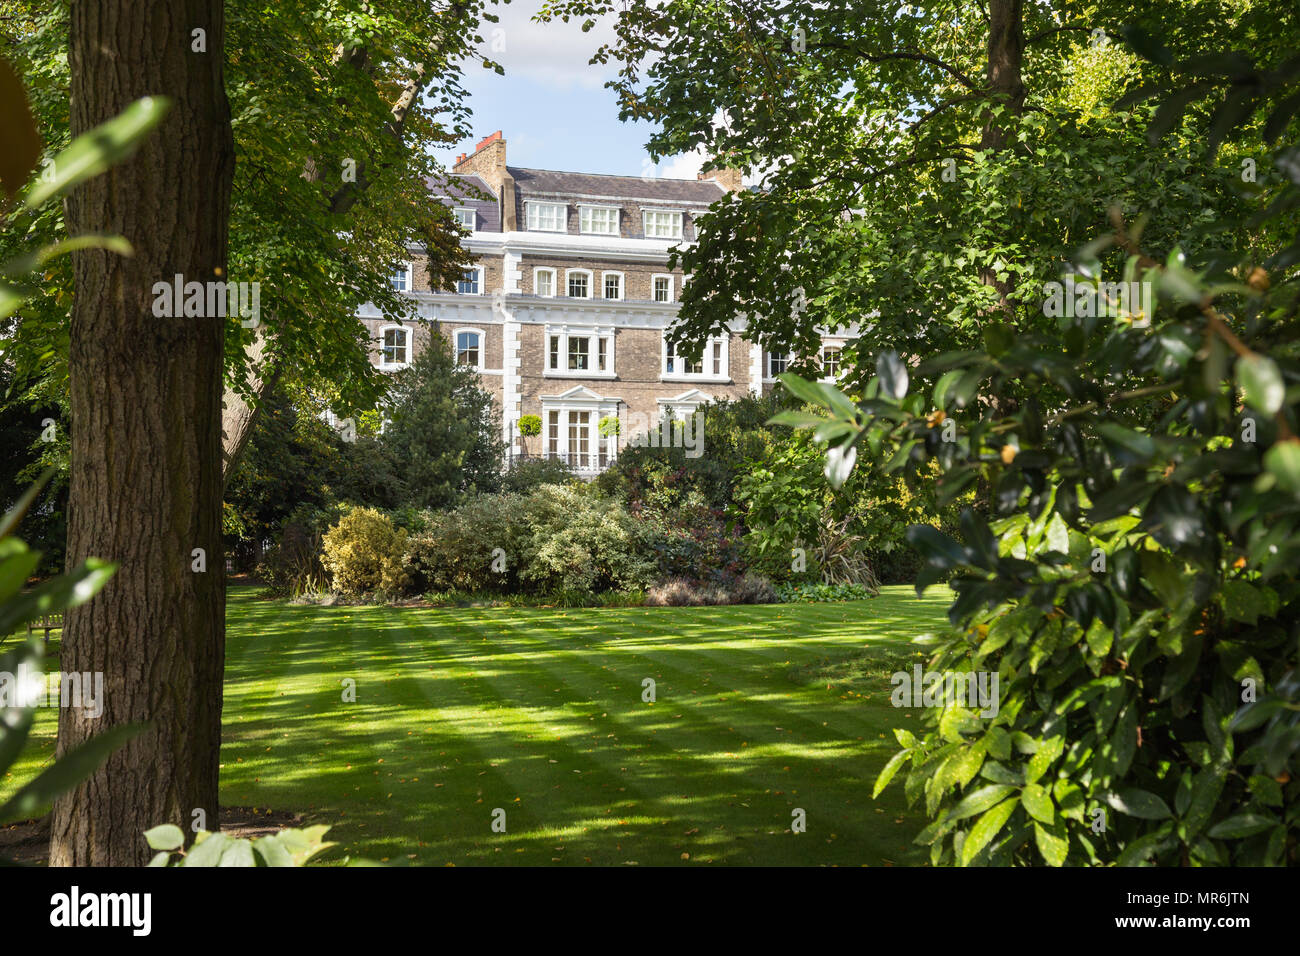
(146, 430)
(1006, 54)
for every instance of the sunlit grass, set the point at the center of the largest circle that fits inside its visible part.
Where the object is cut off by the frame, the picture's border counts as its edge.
(459, 711)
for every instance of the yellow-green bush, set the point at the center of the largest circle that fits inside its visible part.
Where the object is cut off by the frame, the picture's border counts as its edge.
(363, 553)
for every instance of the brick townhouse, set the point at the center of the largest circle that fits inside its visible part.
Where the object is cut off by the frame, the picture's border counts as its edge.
(565, 311)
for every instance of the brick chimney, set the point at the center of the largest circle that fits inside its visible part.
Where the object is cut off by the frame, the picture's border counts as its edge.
(728, 178)
(488, 162)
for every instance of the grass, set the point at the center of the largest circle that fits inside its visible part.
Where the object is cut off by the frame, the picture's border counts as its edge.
(459, 711)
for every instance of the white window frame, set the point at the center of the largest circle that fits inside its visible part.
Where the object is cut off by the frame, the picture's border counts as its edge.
(409, 281)
(481, 282)
(455, 341)
(534, 205)
(768, 376)
(591, 282)
(473, 217)
(622, 286)
(838, 345)
(672, 290)
(584, 208)
(555, 281)
(646, 211)
(595, 334)
(408, 342)
(706, 362)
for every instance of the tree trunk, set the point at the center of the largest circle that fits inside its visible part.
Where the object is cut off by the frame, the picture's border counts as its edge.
(1006, 54)
(146, 430)
(238, 418)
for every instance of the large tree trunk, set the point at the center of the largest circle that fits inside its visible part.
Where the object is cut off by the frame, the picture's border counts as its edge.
(146, 430)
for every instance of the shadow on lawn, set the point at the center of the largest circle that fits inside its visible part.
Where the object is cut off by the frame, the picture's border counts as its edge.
(539, 712)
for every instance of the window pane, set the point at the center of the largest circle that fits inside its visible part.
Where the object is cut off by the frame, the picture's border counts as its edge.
(467, 348)
(613, 287)
(468, 284)
(777, 362)
(579, 435)
(553, 433)
(578, 354)
(600, 353)
(466, 218)
(663, 225)
(545, 282)
(555, 351)
(394, 350)
(663, 289)
(578, 285)
(546, 216)
(401, 279)
(717, 358)
(831, 362)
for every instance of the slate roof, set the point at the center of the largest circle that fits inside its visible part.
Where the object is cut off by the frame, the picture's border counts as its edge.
(551, 182)
(454, 192)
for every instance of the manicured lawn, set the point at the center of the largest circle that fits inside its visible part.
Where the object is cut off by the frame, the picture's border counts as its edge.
(539, 712)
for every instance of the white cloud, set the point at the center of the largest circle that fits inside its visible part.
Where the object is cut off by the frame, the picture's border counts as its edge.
(685, 166)
(552, 54)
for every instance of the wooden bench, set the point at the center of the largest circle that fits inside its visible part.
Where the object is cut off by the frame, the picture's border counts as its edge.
(46, 623)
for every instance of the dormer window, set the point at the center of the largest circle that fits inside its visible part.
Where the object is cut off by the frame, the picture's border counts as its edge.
(662, 224)
(598, 220)
(466, 218)
(546, 216)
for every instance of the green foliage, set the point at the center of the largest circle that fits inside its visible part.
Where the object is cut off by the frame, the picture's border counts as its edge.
(735, 432)
(17, 608)
(444, 437)
(1137, 592)
(527, 474)
(791, 592)
(364, 552)
(530, 425)
(851, 534)
(551, 539)
(692, 541)
(288, 847)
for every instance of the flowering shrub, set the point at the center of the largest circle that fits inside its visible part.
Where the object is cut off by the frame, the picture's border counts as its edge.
(364, 553)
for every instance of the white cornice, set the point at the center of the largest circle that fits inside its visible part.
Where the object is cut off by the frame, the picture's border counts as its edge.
(569, 244)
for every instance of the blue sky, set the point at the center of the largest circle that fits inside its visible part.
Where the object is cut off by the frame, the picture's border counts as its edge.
(551, 106)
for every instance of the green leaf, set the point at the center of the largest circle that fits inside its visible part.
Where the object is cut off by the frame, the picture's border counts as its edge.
(1052, 843)
(168, 836)
(1283, 463)
(887, 774)
(1241, 825)
(95, 151)
(893, 374)
(1139, 803)
(1038, 803)
(986, 828)
(977, 801)
(1261, 383)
